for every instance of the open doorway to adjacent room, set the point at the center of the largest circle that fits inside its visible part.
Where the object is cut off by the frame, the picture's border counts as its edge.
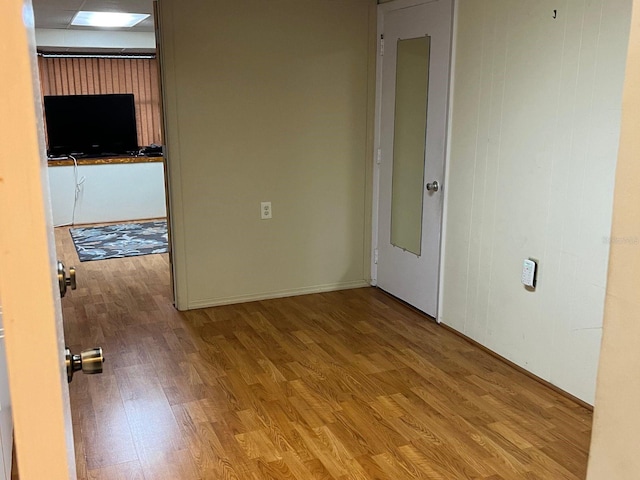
(102, 108)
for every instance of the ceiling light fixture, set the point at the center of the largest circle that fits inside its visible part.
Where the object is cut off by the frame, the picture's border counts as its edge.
(107, 19)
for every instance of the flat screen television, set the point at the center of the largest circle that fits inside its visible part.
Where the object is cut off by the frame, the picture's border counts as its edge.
(91, 125)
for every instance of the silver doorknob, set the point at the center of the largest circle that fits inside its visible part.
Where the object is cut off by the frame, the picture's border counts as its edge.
(64, 281)
(89, 361)
(433, 187)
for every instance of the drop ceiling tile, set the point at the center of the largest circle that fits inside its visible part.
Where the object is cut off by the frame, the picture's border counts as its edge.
(58, 4)
(147, 25)
(58, 14)
(48, 17)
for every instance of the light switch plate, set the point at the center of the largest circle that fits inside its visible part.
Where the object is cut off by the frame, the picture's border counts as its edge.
(529, 267)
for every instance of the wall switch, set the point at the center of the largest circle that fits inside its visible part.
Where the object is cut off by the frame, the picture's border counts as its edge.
(529, 268)
(265, 210)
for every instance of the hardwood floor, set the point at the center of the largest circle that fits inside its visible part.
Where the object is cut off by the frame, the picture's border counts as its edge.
(344, 385)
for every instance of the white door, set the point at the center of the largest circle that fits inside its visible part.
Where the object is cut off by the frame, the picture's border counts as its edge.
(30, 297)
(413, 83)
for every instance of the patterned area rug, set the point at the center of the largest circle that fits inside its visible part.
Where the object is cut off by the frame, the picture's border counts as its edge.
(118, 241)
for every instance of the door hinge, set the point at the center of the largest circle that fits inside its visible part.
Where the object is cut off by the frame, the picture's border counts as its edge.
(379, 156)
(381, 45)
(375, 256)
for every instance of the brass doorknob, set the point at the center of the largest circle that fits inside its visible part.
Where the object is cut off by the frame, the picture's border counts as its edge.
(64, 281)
(90, 361)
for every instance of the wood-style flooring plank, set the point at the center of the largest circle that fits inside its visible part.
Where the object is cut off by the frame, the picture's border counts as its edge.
(121, 471)
(332, 386)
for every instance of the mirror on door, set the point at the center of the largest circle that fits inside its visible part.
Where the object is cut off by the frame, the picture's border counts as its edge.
(409, 143)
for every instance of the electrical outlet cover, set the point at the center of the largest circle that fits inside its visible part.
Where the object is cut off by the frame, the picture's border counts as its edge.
(265, 210)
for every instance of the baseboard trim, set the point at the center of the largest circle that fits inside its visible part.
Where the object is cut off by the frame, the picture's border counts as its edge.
(332, 287)
(517, 367)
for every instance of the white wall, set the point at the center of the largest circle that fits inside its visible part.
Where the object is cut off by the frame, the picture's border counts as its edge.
(535, 127)
(109, 193)
(268, 101)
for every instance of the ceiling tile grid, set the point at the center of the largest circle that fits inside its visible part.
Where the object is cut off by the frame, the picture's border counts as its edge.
(57, 14)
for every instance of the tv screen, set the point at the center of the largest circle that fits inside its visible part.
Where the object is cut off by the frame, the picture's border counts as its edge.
(91, 125)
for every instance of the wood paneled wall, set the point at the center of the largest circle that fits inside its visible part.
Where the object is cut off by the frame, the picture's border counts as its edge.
(531, 103)
(86, 76)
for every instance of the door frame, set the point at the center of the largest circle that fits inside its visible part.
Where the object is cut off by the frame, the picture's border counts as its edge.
(384, 9)
(165, 163)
